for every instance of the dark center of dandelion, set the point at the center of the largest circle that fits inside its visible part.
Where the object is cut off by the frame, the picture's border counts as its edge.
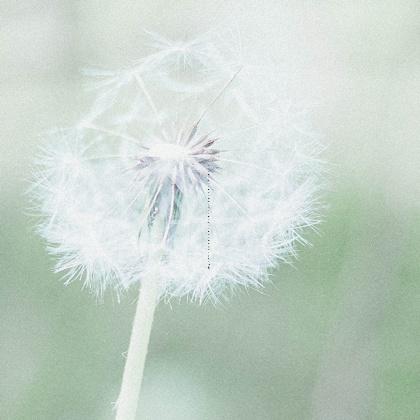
(173, 171)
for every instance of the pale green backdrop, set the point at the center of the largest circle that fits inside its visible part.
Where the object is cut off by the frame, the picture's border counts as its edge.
(335, 337)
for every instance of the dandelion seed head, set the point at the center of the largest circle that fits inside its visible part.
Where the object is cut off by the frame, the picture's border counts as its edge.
(183, 164)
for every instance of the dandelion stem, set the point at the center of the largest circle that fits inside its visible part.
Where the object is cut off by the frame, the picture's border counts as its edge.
(137, 351)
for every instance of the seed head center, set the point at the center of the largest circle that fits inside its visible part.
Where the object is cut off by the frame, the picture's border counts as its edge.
(168, 151)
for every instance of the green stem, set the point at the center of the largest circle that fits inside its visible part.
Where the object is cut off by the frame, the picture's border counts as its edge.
(137, 350)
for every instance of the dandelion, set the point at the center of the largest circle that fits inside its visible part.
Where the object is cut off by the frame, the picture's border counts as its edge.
(190, 175)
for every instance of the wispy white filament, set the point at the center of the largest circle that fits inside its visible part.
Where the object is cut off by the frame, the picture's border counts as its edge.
(192, 119)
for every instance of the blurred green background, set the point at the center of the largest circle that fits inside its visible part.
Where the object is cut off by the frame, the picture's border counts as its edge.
(336, 336)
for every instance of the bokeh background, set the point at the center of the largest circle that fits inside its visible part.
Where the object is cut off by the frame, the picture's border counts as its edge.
(336, 336)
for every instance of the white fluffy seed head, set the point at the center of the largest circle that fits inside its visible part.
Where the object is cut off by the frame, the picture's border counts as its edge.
(192, 161)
